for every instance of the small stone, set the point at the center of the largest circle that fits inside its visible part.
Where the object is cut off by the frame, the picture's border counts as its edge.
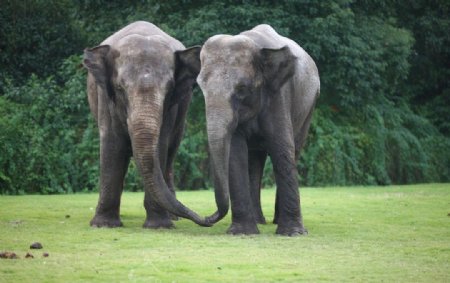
(8, 255)
(28, 255)
(36, 246)
(45, 254)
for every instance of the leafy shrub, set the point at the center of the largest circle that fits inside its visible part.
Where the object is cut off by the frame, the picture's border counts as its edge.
(14, 147)
(58, 134)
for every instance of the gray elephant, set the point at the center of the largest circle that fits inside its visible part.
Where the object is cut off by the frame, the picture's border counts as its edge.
(139, 88)
(260, 90)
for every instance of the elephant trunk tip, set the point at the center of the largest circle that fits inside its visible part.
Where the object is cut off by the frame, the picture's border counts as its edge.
(198, 220)
(216, 217)
(205, 222)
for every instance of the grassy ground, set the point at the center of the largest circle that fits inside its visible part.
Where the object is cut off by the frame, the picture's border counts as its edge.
(390, 234)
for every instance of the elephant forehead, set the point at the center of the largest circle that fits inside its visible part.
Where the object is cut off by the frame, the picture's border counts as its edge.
(229, 50)
(145, 65)
(146, 50)
(222, 82)
(228, 57)
(223, 79)
(147, 57)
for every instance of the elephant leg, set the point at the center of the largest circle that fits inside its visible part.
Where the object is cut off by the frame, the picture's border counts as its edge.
(256, 162)
(300, 140)
(276, 214)
(157, 217)
(168, 174)
(115, 153)
(288, 212)
(243, 220)
(170, 139)
(175, 133)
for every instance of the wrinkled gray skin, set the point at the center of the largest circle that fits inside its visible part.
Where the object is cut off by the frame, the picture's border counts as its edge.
(260, 90)
(139, 88)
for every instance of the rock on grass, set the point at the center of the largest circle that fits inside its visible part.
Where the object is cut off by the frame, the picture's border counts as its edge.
(36, 246)
(8, 255)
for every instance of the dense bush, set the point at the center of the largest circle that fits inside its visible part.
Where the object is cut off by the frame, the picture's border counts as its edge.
(35, 36)
(56, 140)
(381, 117)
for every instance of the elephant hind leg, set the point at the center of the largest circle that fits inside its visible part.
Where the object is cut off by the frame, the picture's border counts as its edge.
(300, 139)
(256, 162)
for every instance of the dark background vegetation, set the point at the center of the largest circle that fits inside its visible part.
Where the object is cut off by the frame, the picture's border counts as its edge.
(382, 117)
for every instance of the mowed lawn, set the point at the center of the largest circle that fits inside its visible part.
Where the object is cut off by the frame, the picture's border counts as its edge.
(356, 234)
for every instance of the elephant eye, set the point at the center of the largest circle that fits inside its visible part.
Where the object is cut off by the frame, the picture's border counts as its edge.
(118, 89)
(240, 88)
(241, 91)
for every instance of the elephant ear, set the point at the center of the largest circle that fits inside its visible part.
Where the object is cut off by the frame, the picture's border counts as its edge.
(278, 66)
(94, 60)
(187, 67)
(100, 63)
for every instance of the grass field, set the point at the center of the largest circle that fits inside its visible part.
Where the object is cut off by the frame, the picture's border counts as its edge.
(357, 234)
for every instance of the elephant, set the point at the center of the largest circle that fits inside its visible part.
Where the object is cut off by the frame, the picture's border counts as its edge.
(139, 88)
(260, 89)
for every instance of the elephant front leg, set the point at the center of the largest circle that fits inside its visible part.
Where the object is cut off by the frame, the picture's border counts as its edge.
(168, 176)
(242, 216)
(157, 217)
(256, 162)
(168, 173)
(114, 158)
(288, 212)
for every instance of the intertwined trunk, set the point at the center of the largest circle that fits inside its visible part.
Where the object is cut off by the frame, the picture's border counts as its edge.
(219, 128)
(144, 131)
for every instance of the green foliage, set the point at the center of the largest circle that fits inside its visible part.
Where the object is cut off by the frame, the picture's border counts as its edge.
(35, 36)
(54, 139)
(14, 146)
(427, 83)
(395, 146)
(381, 117)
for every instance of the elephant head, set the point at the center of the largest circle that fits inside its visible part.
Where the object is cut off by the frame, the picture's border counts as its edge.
(237, 78)
(142, 77)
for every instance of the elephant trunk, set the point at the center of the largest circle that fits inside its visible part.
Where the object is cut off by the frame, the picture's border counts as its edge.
(219, 128)
(145, 131)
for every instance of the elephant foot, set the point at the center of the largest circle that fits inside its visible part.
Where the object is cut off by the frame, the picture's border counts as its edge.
(291, 230)
(259, 216)
(243, 229)
(158, 224)
(260, 219)
(275, 219)
(103, 221)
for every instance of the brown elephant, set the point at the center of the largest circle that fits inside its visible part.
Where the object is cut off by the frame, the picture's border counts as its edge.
(260, 89)
(139, 87)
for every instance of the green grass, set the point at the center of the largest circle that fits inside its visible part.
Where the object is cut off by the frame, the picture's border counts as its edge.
(357, 234)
